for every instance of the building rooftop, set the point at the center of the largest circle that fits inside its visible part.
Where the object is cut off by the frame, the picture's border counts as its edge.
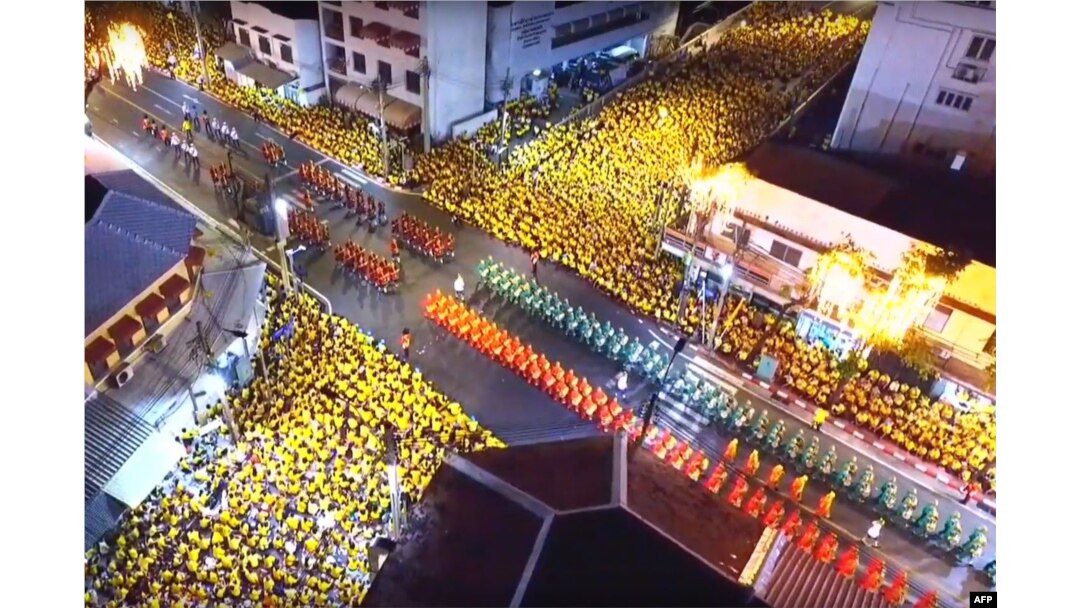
(292, 10)
(133, 235)
(573, 523)
(931, 204)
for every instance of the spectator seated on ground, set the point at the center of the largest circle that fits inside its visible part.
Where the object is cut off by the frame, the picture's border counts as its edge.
(285, 518)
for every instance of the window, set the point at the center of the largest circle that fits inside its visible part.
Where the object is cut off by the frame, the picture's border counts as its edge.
(981, 48)
(245, 38)
(951, 99)
(286, 53)
(786, 253)
(412, 82)
(969, 73)
(292, 92)
(359, 63)
(264, 45)
(355, 25)
(937, 319)
(385, 74)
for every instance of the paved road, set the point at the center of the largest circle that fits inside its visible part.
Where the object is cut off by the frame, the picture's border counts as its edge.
(496, 398)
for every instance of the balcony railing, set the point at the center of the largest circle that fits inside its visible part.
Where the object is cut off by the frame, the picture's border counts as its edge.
(335, 31)
(337, 65)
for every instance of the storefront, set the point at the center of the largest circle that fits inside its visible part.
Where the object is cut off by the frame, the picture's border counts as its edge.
(962, 396)
(819, 329)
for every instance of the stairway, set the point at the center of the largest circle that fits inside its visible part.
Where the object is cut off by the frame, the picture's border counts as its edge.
(111, 435)
(516, 435)
(800, 581)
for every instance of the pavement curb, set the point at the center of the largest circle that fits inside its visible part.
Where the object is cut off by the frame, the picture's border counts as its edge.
(931, 471)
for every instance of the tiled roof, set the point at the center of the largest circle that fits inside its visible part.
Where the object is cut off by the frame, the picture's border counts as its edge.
(135, 235)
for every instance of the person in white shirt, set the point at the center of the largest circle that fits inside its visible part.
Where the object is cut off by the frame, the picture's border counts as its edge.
(459, 287)
(214, 128)
(194, 152)
(176, 144)
(622, 382)
(223, 134)
(235, 138)
(184, 149)
(873, 533)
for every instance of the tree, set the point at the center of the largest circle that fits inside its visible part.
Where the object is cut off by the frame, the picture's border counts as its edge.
(947, 263)
(848, 368)
(916, 353)
(771, 331)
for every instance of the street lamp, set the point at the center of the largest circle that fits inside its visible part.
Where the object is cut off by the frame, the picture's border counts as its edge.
(281, 217)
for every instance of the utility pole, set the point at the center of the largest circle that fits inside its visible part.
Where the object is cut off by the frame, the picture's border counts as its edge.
(394, 480)
(696, 228)
(507, 84)
(202, 47)
(380, 86)
(425, 103)
(650, 407)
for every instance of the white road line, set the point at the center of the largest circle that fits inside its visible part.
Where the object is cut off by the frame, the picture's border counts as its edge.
(190, 98)
(921, 467)
(260, 135)
(858, 435)
(880, 446)
(354, 175)
(166, 110)
(135, 133)
(943, 478)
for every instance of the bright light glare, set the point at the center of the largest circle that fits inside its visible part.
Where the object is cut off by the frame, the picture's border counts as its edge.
(281, 206)
(888, 314)
(837, 280)
(715, 192)
(726, 270)
(124, 54)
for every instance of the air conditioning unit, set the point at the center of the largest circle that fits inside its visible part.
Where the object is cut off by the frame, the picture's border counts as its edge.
(967, 73)
(157, 344)
(122, 376)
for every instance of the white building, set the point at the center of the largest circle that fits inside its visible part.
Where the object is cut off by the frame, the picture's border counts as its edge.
(473, 50)
(925, 84)
(277, 46)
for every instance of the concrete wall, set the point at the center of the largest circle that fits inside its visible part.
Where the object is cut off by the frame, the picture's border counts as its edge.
(373, 53)
(915, 51)
(455, 43)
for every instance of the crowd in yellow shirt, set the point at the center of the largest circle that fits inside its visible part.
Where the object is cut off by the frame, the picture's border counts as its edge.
(584, 194)
(285, 517)
(331, 130)
(964, 442)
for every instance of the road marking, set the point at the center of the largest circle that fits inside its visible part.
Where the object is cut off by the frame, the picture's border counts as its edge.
(858, 435)
(921, 467)
(355, 175)
(166, 110)
(781, 394)
(878, 445)
(943, 478)
(135, 133)
(190, 98)
(260, 135)
(839, 425)
(899, 456)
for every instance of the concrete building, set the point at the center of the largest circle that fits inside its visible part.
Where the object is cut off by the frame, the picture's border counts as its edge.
(802, 201)
(474, 51)
(925, 85)
(276, 45)
(141, 264)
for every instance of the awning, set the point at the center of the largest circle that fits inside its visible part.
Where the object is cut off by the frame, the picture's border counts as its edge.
(406, 41)
(348, 95)
(266, 75)
(374, 31)
(99, 350)
(173, 286)
(234, 54)
(195, 257)
(402, 115)
(150, 306)
(124, 328)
